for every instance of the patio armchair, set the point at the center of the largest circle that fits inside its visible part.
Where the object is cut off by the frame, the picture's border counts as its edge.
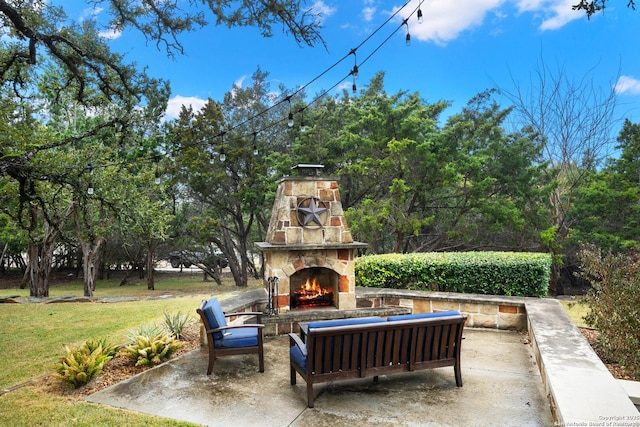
(225, 339)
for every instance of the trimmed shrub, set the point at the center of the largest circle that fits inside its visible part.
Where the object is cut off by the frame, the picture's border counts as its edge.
(492, 273)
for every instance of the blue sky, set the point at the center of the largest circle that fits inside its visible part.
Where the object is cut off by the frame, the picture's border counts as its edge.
(460, 49)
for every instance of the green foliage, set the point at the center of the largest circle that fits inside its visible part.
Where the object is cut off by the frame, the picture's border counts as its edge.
(176, 323)
(493, 273)
(85, 362)
(151, 346)
(614, 302)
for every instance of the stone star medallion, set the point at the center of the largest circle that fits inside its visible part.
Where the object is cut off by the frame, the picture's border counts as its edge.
(310, 210)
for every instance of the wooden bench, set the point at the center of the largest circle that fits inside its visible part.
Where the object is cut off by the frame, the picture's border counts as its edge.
(359, 348)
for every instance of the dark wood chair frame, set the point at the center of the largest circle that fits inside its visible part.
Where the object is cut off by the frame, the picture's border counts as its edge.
(229, 351)
(369, 350)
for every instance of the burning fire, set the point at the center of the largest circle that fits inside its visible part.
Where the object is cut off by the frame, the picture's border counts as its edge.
(311, 293)
(311, 288)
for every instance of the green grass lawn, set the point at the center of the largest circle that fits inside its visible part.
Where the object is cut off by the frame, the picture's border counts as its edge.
(33, 338)
(576, 311)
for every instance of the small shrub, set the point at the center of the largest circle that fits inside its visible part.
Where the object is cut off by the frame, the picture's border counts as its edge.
(176, 323)
(614, 303)
(107, 348)
(151, 349)
(85, 362)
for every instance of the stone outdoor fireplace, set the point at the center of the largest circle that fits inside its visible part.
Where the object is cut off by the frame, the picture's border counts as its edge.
(309, 251)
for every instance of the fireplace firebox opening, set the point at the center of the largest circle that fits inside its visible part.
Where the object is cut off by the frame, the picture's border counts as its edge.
(314, 287)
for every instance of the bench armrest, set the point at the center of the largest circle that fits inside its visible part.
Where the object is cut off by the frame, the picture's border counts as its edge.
(247, 313)
(295, 340)
(224, 328)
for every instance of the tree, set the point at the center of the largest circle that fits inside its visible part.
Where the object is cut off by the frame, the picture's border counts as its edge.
(607, 208)
(224, 178)
(591, 7)
(79, 70)
(575, 120)
(410, 185)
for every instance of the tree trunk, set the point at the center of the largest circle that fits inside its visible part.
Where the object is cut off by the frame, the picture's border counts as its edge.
(150, 278)
(91, 254)
(38, 270)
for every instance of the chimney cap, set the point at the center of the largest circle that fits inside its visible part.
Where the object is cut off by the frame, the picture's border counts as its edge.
(308, 169)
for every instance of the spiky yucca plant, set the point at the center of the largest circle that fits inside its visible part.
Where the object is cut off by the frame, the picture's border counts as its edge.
(85, 362)
(152, 349)
(176, 323)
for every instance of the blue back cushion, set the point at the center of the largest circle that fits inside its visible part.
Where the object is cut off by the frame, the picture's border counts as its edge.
(215, 316)
(424, 315)
(345, 322)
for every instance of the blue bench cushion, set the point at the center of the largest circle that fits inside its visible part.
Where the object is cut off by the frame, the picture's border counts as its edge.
(239, 337)
(345, 322)
(424, 315)
(215, 316)
(298, 358)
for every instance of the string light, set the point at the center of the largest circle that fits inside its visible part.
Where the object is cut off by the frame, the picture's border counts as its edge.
(90, 183)
(354, 73)
(302, 126)
(408, 37)
(223, 157)
(255, 146)
(290, 121)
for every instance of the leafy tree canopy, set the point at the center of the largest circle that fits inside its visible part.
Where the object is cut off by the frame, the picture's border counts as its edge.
(592, 6)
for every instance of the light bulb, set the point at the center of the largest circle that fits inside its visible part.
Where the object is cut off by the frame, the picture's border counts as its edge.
(290, 123)
(408, 39)
(255, 150)
(90, 189)
(157, 180)
(419, 16)
(303, 127)
(355, 71)
(222, 156)
(353, 87)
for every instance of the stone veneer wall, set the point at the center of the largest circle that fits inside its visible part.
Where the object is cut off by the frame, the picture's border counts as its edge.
(284, 228)
(291, 247)
(482, 311)
(282, 264)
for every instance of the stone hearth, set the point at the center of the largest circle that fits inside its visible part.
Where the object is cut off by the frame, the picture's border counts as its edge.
(309, 239)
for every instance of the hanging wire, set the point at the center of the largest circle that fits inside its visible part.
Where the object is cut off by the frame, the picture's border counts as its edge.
(354, 73)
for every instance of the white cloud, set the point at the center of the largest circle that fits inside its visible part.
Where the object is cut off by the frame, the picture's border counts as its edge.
(627, 84)
(175, 105)
(322, 10)
(555, 13)
(444, 20)
(110, 34)
(368, 13)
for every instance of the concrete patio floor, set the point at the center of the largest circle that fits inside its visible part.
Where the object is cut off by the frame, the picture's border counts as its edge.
(502, 387)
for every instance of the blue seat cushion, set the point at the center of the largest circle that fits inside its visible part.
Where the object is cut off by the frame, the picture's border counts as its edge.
(215, 316)
(240, 337)
(345, 322)
(424, 315)
(297, 357)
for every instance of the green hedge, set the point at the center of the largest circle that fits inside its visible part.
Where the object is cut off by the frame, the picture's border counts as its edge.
(490, 273)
